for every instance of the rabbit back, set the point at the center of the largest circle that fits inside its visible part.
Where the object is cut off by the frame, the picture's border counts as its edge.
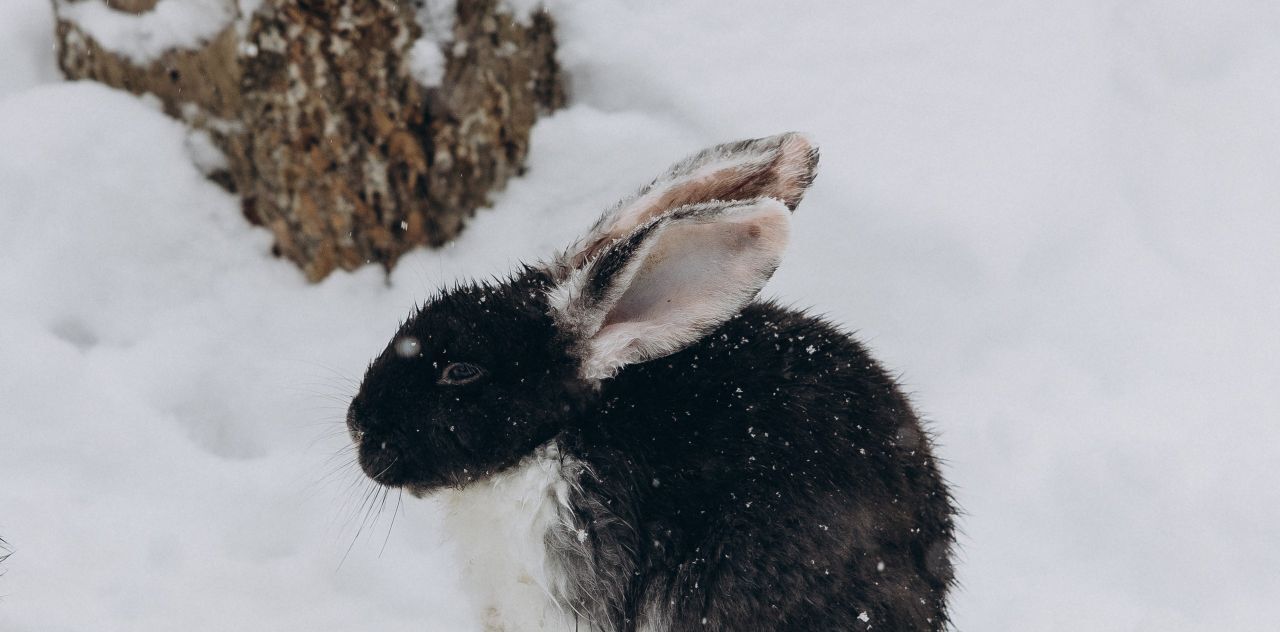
(770, 476)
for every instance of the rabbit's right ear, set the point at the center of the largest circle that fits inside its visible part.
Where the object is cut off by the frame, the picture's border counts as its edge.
(780, 167)
(668, 283)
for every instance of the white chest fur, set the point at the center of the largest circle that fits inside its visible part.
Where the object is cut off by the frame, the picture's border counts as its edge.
(500, 528)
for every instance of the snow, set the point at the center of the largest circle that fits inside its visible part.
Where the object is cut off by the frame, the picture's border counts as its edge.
(436, 18)
(427, 62)
(144, 37)
(523, 10)
(1058, 220)
(26, 48)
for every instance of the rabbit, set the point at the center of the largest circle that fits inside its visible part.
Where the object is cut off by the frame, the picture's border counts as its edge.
(626, 439)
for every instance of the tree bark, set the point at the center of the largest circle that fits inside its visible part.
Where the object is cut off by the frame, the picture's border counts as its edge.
(352, 130)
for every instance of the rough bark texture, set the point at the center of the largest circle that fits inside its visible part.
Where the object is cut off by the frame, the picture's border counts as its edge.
(330, 140)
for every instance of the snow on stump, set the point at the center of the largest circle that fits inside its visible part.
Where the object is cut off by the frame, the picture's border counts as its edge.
(352, 130)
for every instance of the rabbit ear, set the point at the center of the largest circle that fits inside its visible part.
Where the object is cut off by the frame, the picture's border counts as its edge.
(669, 282)
(780, 167)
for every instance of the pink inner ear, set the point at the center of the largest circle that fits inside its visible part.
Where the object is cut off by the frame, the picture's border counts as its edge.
(684, 271)
(694, 278)
(782, 173)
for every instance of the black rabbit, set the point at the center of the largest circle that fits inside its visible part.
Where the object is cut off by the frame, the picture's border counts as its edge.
(628, 441)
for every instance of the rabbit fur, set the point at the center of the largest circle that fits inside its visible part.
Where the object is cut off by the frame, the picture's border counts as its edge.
(627, 440)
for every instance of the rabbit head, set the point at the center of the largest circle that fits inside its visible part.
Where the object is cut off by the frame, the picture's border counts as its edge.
(482, 374)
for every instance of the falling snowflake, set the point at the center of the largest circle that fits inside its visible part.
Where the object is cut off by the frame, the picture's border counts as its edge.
(408, 346)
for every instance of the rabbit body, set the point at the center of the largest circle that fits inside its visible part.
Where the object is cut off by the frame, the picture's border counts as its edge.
(627, 441)
(781, 476)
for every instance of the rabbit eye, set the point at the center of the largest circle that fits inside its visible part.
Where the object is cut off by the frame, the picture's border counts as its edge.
(460, 373)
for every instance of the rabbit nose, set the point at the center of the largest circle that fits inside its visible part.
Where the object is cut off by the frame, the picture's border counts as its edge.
(356, 425)
(381, 463)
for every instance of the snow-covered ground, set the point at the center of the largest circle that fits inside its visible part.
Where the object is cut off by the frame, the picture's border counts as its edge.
(1059, 220)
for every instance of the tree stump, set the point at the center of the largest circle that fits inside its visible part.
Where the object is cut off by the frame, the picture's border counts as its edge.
(352, 130)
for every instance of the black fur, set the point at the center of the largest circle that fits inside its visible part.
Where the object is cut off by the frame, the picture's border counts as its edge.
(443, 435)
(758, 479)
(768, 476)
(764, 489)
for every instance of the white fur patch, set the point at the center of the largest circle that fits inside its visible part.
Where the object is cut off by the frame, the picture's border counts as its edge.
(500, 528)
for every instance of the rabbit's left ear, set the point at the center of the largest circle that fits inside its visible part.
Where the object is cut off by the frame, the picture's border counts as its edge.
(780, 167)
(669, 282)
